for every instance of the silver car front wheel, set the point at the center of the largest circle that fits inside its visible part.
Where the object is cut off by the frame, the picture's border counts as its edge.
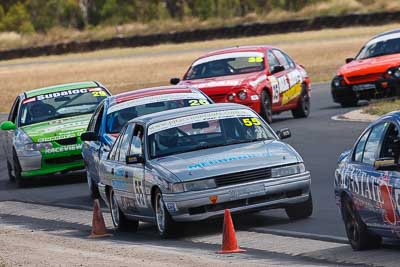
(165, 224)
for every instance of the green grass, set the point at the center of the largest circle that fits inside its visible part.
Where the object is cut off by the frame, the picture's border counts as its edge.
(382, 108)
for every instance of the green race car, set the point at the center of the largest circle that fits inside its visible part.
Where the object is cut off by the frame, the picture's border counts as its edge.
(42, 133)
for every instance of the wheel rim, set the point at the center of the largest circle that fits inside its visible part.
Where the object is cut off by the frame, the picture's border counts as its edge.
(114, 210)
(160, 213)
(351, 224)
(306, 104)
(89, 181)
(267, 108)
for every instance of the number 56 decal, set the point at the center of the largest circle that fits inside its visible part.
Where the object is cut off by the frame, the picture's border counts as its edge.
(251, 121)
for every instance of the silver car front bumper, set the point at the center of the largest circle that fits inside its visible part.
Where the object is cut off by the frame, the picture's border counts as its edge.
(263, 194)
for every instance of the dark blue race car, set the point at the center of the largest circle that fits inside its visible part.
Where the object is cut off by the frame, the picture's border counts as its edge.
(113, 113)
(367, 184)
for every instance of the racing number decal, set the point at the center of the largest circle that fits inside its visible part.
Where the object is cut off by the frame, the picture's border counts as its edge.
(275, 89)
(99, 93)
(198, 102)
(251, 121)
(255, 59)
(139, 193)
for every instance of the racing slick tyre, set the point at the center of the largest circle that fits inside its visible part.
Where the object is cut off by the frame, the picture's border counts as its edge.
(93, 188)
(301, 210)
(303, 107)
(266, 106)
(356, 230)
(20, 182)
(11, 177)
(166, 227)
(120, 222)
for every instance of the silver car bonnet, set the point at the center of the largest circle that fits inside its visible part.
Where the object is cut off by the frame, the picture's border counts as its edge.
(228, 159)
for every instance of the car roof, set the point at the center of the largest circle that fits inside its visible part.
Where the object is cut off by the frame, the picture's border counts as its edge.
(248, 48)
(382, 35)
(394, 114)
(386, 33)
(154, 91)
(187, 111)
(61, 87)
(391, 116)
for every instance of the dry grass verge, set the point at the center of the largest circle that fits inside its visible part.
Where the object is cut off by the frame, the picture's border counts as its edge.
(382, 108)
(321, 8)
(321, 52)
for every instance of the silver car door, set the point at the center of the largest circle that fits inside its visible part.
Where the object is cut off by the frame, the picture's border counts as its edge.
(137, 171)
(123, 173)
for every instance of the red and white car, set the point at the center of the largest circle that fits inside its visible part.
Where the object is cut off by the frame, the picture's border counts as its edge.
(261, 77)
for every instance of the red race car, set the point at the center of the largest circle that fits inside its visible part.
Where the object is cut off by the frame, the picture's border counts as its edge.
(373, 73)
(261, 77)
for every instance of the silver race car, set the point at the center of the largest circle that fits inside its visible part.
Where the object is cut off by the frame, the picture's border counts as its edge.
(190, 165)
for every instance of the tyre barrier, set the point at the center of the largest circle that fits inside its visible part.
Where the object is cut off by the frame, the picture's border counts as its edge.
(243, 30)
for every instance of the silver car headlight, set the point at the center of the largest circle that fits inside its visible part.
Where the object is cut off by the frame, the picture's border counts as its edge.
(199, 185)
(288, 170)
(176, 188)
(37, 146)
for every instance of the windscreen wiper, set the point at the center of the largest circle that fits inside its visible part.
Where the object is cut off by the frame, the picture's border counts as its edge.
(241, 141)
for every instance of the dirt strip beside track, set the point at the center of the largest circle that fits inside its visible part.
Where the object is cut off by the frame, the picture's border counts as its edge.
(65, 222)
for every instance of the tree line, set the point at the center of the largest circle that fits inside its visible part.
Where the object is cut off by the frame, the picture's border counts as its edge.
(27, 16)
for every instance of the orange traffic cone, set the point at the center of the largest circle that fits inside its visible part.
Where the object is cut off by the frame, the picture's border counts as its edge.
(229, 242)
(98, 225)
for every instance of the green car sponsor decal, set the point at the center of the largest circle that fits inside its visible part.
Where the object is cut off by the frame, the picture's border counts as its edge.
(54, 130)
(62, 149)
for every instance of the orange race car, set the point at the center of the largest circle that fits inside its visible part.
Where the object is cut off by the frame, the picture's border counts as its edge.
(373, 73)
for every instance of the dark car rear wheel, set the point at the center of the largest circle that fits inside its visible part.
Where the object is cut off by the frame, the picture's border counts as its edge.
(166, 227)
(301, 210)
(356, 230)
(303, 107)
(266, 106)
(120, 222)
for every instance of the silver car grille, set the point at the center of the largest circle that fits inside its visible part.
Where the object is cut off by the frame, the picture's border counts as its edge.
(242, 177)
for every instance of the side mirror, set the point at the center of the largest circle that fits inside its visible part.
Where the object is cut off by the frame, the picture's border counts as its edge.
(349, 59)
(174, 81)
(89, 136)
(386, 164)
(284, 133)
(277, 69)
(8, 126)
(133, 159)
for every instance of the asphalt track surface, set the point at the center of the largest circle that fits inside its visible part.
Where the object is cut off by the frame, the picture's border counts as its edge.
(319, 140)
